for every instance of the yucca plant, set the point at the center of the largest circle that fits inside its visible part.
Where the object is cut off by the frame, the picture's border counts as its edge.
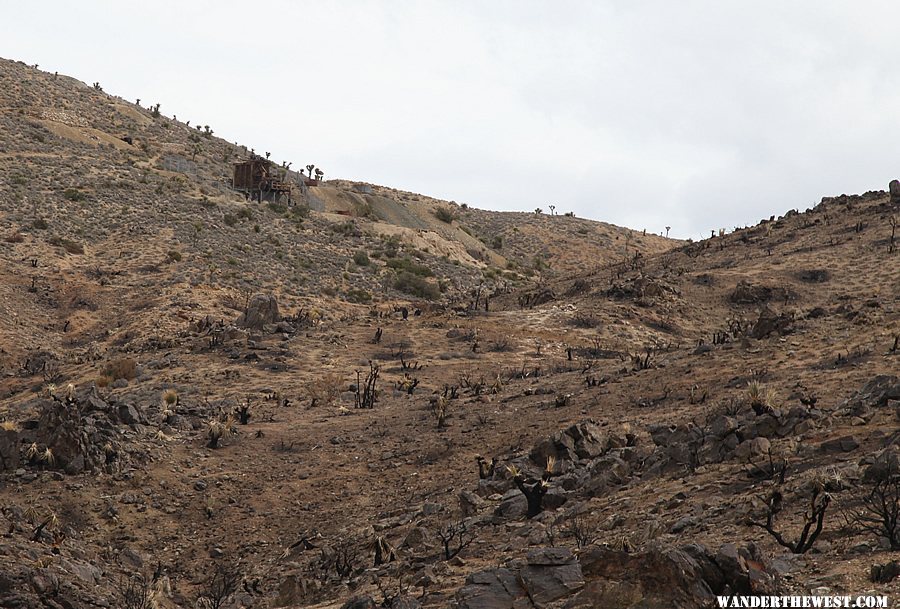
(762, 399)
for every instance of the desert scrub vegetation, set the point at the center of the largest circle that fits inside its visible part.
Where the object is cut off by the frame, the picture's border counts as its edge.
(324, 389)
(72, 247)
(416, 285)
(73, 194)
(346, 229)
(406, 264)
(120, 368)
(361, 258)
(278, 208)
(359, 296)
(444, 214)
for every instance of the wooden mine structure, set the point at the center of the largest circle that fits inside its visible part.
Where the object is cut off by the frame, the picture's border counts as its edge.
(259, 179)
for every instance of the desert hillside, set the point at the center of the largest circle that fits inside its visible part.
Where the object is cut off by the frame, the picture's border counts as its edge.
(373, 398)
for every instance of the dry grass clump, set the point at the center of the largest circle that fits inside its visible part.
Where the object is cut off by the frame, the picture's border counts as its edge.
(121, 368)
(325, 389)
(170, 397)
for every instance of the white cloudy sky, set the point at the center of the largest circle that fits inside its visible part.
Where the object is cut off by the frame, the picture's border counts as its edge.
(691, 114)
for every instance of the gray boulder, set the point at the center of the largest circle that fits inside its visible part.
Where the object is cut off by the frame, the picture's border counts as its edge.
(261, 311)
(894, 189)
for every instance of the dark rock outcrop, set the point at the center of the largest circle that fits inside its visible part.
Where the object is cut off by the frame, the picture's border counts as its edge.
(689, 576)
(876, 393)
(546, 575)
(9, 449)
(81, 434)
(894, 189)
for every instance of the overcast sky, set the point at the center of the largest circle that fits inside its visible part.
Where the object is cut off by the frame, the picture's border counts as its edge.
(694, 115)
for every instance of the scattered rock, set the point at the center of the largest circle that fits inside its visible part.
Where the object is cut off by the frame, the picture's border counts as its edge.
(885, 464)
(129, 415)
(876, 393)
(513, 506)
(551, 573)
(470, 503)
(837, 445)
(684, 523)
(770, 322)
(80, 437)
(584, 440)
(882, 574)
(753, 448)
(416, 538)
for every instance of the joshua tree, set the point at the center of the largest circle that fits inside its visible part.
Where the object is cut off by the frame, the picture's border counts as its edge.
(440, 409)
(552, 209)
(243, 412)
(214, 433)
(309, 170)
(367, 394)
(534, 490)
(319, 175)
(668, 228)
(486, 472)
(217, 429)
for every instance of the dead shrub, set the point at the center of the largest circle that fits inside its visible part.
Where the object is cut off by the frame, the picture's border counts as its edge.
(324, 390)
(121, 368)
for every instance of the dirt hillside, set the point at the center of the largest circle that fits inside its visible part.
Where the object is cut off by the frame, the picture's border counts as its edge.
(212, 402)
